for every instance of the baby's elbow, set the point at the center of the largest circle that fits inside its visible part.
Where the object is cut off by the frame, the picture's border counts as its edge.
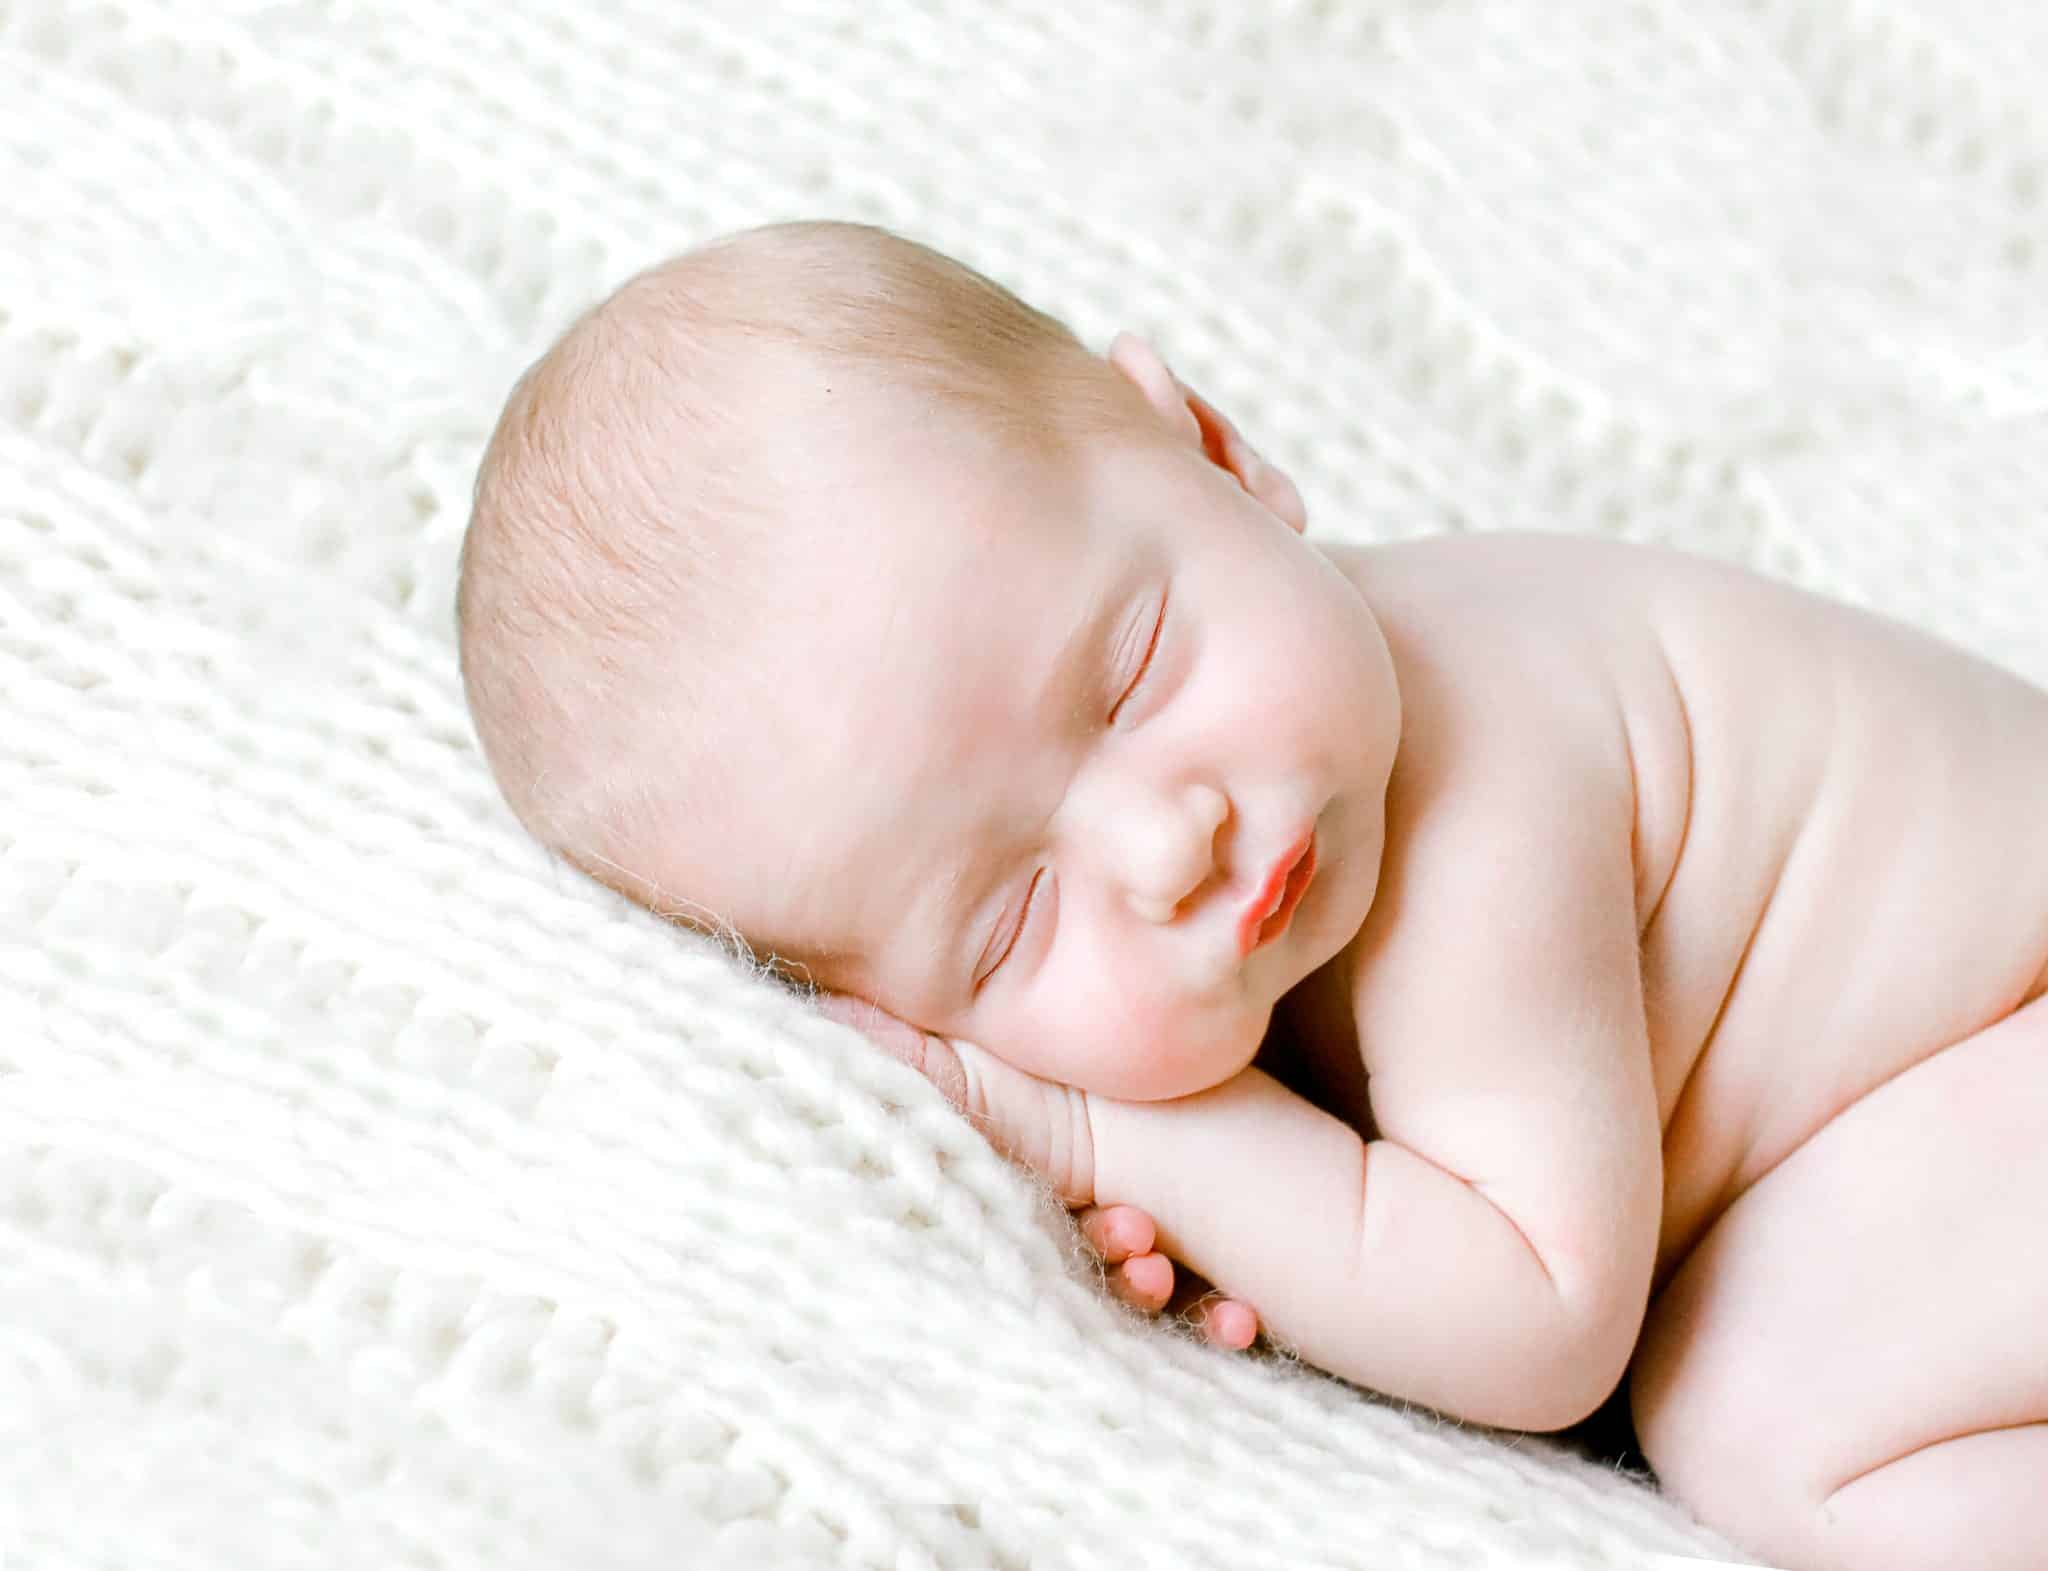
(1577, 1398)
(1601, 1309)
(1553, 1383)
(1545, 1400)
(1583, 1374)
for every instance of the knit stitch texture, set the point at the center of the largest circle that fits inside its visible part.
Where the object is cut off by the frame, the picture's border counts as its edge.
(374, 1193)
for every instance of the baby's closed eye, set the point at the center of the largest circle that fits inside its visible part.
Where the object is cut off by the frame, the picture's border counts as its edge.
(1008, 937)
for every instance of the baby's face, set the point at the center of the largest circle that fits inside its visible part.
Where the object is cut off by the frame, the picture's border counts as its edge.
(1051, 731)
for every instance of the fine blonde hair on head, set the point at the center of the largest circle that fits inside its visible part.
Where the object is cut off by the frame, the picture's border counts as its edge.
(625, 505)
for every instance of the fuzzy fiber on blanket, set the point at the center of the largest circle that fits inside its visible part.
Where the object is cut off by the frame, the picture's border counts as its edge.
(374, 1193)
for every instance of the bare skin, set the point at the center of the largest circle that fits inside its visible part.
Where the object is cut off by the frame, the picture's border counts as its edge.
(1840, 854)
(1838, 835)
(1667, 997)
(1124, 1237)
(1142, 1277)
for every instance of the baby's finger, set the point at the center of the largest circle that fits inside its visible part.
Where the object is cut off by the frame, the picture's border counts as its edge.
(1230, 1323)
(1117, 1232)
(1223, 1320)
(1145, 1282)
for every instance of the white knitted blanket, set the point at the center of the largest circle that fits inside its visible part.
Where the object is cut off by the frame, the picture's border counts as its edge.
(372, 1193)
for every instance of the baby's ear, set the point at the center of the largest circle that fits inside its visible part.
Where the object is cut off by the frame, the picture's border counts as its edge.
(1203, 422)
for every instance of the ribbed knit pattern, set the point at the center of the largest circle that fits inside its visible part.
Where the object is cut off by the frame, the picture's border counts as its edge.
(374, 1194)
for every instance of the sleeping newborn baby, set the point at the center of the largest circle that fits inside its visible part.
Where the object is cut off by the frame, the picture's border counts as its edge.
(1501, 962)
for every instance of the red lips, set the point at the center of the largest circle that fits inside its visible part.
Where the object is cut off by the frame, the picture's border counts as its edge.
(1268, 912)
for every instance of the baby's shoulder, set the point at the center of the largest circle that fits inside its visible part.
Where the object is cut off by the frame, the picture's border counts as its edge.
(1545, 648)
(1463, 604)
(1535, 684)
(1540, 785)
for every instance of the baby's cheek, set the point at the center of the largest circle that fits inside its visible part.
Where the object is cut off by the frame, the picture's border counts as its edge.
(1065, 1034)
(1128, 1018)
(1150, 1045)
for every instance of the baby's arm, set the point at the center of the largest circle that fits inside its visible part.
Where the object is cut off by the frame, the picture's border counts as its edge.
(1490, 1254)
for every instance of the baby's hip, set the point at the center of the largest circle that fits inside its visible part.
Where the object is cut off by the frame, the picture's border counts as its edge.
(1879, 1288)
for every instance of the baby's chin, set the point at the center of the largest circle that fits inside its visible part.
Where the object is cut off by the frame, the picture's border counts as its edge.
(1213, 1068)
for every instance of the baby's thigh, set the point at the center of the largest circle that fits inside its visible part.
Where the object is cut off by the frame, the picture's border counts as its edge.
(1882, 1290)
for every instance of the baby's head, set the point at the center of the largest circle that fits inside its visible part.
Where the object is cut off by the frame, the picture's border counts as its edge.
(821, 593)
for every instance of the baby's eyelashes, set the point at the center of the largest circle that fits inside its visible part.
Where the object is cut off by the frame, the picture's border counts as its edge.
(1016, 932)
(1144, 665)
(1016, 928)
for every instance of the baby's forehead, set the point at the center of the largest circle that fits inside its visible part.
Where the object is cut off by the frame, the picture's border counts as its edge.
(895, 509)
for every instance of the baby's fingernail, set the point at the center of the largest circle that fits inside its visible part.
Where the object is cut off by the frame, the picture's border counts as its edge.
(1231, 1325)
(1148, 1274)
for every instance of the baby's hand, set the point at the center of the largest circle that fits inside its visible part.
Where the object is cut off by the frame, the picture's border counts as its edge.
(1039, 1123)
(1045, 1126)
(1144, 1279)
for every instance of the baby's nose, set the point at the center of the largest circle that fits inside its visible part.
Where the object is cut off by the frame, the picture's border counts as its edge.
(1159, 912)
(1180, 859)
